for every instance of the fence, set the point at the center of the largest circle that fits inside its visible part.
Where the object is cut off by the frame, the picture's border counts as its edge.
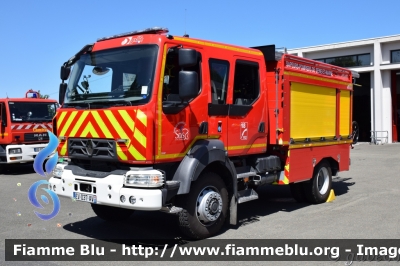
(379, 137)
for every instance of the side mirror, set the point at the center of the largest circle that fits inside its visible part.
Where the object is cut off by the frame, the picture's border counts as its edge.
(61, 92)
(187, 57)
(188, 85)
(64, 72)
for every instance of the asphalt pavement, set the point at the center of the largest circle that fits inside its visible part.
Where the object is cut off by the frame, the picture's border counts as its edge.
(367, 206)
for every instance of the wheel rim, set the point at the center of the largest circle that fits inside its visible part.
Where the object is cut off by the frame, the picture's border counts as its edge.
(323, 180)
(208, 205)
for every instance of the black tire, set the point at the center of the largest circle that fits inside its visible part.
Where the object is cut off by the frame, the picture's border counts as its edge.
(4, 168)
(297, 191)
(208, 192)
(111, 214)
(318, 189)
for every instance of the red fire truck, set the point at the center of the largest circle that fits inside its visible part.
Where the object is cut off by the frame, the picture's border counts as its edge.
(24, 123)
(156, 122)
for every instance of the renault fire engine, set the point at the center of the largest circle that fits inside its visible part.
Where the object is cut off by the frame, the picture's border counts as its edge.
(156, 122)
(24, 123)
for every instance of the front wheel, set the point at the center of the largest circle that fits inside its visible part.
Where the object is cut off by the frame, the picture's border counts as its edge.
(111, 214)
(319, 187)
(204, 208)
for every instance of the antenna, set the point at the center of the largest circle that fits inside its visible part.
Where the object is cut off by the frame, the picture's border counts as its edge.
(7, 95)
(185, 35)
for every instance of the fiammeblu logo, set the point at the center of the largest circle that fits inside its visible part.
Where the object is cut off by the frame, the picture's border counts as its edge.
(38, 167)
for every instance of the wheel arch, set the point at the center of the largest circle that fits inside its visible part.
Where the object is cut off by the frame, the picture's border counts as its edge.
(205, 155)
(333, 164)
(208, 155)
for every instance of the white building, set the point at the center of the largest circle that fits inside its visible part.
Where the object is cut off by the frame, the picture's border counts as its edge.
(376, 101)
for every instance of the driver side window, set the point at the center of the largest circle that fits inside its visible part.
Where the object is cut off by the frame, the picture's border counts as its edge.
(171, 76)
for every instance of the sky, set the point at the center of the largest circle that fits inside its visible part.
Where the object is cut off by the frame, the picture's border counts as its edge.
(37, 37)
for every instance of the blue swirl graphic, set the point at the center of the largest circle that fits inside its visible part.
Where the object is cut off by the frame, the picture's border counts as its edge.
(36, 203)
(43, 154)
(45, 199)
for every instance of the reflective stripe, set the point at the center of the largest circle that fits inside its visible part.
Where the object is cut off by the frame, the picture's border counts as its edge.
(142, 117)
(68, 123)
(63, 149)
(109, 124)
(79, 122)
(101, 124)
(128, 120)
(89, 130)
(60, 119)
(284, 179)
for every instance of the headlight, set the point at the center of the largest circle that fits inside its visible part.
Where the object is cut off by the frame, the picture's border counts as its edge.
(58, 171)
(15, 151)
(144, 180)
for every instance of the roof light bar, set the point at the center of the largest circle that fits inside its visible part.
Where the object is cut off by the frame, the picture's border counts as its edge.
(153, 30)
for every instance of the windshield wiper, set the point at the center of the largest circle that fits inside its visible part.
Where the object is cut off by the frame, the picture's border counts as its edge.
(98, 104)
(113, 103)
(38, 120)
(82, 105)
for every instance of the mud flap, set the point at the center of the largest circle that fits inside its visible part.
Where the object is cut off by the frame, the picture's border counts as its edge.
(233, 210)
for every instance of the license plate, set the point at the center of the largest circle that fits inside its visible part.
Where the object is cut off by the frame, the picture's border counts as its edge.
(38, 149)
(85, 197)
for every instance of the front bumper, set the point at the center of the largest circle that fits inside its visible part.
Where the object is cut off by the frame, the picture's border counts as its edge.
(107, 191)
(29, 152)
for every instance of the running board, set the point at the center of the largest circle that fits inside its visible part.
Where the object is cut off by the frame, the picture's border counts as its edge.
(171, 209)
(241, 175)
(247, 195)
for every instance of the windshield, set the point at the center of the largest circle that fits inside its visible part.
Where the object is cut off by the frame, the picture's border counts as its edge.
(122, 75)
(31, 111)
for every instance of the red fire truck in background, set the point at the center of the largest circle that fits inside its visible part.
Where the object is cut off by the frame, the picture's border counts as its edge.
(24, 123)
(157, 122)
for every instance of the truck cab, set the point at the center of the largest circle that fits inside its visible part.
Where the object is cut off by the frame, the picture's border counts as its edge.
(24, 126)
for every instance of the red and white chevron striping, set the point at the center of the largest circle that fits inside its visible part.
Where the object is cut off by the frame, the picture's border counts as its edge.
(31, 126)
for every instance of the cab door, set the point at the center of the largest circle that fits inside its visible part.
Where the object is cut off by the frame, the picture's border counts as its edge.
(178, 122)
(4, 133)
(247, 119)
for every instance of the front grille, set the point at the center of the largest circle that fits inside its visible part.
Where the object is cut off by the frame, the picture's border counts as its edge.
(36, 136)
(99, 149)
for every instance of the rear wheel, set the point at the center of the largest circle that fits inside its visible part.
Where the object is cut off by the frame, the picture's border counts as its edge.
(319, 187)
(204, 208)
(111, 214)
